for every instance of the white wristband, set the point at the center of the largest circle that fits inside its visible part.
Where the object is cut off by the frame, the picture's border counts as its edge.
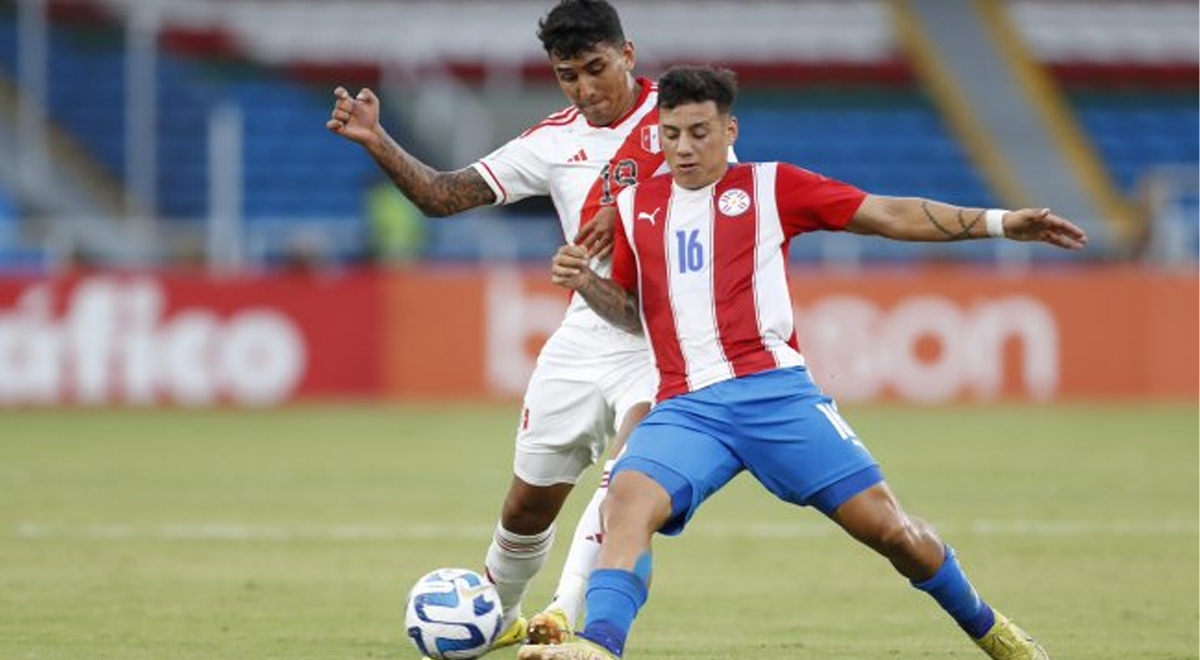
(995, 222)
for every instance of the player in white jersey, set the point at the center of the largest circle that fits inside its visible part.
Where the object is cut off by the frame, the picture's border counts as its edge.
(699, 262)
(591, 380)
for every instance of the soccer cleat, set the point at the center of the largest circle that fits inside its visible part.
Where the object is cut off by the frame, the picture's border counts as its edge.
(512, 635)
(579, 649)
(550, 627)
(1005, 641)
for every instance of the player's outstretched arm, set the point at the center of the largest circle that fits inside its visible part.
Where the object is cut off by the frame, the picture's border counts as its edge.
(569, 268)
(914, 219)
(435, 193)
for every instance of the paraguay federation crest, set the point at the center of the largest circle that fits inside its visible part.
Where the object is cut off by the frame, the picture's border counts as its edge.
(734, 201)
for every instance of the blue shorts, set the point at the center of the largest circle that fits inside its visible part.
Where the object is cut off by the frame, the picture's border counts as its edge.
(777, 424)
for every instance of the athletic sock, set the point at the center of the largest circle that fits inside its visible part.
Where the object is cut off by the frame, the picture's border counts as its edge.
(585, 546)
(614, 597)
(953, 591)
(512, 561)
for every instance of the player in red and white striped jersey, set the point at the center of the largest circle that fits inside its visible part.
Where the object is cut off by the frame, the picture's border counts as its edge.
(592, 381)
(701, 265)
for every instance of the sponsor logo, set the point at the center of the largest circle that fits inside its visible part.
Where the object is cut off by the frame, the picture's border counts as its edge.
(642, 215)
(111, 341)
(925, 348)
(930, 349)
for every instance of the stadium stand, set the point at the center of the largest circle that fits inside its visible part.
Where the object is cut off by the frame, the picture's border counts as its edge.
(842, 101)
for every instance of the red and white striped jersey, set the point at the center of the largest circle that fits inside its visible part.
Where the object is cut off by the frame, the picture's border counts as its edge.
(709, 267)
(581, 167)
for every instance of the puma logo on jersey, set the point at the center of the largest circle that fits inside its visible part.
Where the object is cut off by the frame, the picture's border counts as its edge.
(648, 216)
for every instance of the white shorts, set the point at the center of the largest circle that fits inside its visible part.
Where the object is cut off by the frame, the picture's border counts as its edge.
(585, 382)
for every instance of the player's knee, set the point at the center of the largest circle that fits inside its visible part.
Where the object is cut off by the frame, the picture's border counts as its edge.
(524, 518)
(905, 536)
(531, 510)
(634, 501)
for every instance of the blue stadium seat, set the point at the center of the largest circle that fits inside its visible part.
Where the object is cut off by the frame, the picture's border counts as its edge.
(1135, 135)
(903, 151)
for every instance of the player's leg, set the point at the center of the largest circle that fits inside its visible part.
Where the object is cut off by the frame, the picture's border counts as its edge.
(875, 518)
(618, 587)
(629, 381)
(804, 451)
(557, 622)
(562, 428)
(519, 548)
(669, 468)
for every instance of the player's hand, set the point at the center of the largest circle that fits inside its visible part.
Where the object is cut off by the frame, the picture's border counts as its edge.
(354, 117)
(596, 235)
(569, 267)
(1042, 225)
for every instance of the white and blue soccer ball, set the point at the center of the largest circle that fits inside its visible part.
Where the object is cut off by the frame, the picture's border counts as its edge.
(453, 614)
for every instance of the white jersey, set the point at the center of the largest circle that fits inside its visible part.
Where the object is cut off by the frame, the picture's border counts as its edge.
(581, 168)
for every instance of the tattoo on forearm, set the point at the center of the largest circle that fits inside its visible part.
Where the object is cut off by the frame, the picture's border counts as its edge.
(435, 193)
(964, 226)
(613, 303)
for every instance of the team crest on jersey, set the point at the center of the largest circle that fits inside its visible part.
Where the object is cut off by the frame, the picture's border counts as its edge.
(734, 201)
(650, 139)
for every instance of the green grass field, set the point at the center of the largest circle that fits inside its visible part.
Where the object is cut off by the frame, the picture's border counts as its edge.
(296, 534)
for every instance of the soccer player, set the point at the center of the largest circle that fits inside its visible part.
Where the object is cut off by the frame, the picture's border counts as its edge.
(591, 379)
(700, 264)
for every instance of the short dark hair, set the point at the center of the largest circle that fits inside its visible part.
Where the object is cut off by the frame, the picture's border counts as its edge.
(574, 26)
(697, 84)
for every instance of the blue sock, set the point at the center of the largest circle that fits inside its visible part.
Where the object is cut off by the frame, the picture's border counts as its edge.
(953, 591)
(614, 597)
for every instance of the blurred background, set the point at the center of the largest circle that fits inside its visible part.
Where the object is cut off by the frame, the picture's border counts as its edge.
(183, 243)
(177, 226)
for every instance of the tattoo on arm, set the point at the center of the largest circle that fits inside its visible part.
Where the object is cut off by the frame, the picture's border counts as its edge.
(613, 303)
(436, 193)
(964, 226)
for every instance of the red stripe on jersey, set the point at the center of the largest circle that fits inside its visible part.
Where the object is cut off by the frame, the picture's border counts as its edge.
(793, 340)
(650, 237)
(809, 201)
(624, 263)
(499, 185)
(735, 239)
(631, 163)
(557, 119)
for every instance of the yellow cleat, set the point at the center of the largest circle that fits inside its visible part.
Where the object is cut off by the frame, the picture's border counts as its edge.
(514, 634)
(579, 649)
(550, 627)
(1005, 641)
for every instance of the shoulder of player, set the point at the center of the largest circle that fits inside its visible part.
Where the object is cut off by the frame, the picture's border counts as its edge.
(564, 117)
(658, 183)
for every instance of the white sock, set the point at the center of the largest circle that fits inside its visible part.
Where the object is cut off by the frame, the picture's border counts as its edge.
(512, 561)
(585, 548)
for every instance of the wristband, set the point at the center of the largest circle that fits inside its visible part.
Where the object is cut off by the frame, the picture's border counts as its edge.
(995, 222)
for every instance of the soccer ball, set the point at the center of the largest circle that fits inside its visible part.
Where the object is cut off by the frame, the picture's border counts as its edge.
(453, 614)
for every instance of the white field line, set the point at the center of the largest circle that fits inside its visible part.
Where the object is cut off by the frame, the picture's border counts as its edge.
(435, 531)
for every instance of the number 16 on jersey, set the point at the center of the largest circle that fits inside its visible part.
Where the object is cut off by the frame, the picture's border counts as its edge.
(691, 251)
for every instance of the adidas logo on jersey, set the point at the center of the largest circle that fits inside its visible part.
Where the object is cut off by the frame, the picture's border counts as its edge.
(578, 158)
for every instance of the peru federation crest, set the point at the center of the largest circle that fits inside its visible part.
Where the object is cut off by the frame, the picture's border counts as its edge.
(650, 139)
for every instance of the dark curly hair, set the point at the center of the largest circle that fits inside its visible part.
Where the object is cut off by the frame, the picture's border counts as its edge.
(697, 84)
(574, 26)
